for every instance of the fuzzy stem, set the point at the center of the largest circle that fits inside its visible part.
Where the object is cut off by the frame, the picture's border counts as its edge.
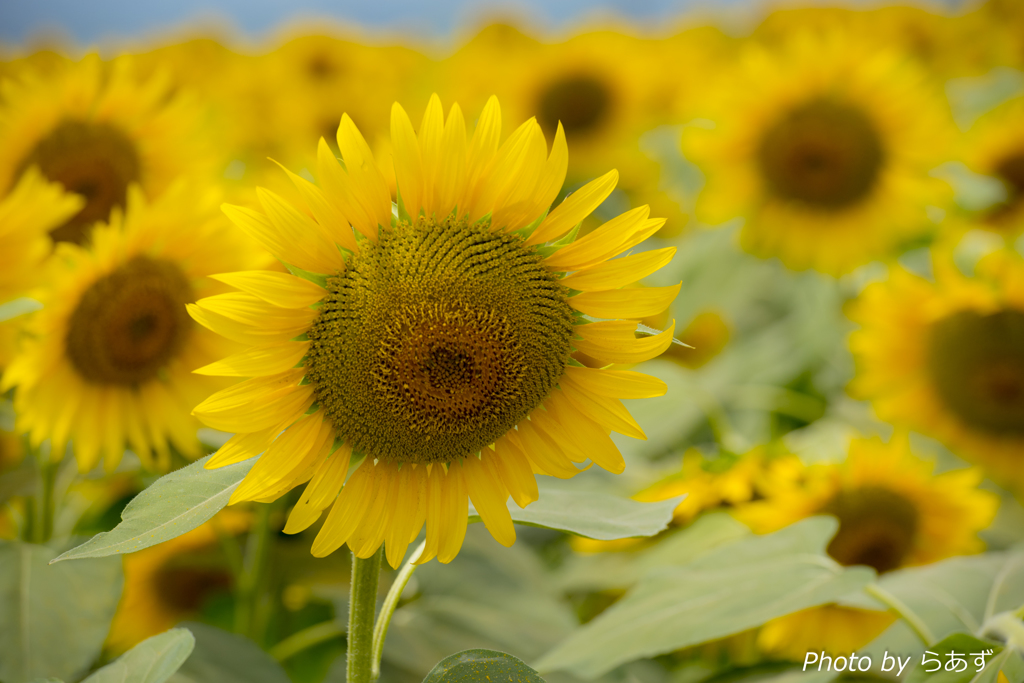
(387, 610)
(362, 608)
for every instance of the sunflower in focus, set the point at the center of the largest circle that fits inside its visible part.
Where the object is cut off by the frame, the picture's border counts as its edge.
(107, 363)
(95, 128)
(27, 214)
(995, 147)
(824, 146)
(892, 511)
(945, 357)
(429, 344)
(170, 582)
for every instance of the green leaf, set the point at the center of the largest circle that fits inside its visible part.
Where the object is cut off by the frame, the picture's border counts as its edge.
(730, 589)
(222, 657)
(53, 619)
(962, 644)
(47, 680)
(154, 660)
(602, 571)
(952, 596)
(479, 666)
(594, 515)
(175, 504)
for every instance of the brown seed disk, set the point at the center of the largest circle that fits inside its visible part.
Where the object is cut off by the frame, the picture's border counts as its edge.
(95, 160)
(130, 323)
(876, 527)
(437, 340)
(823, 153)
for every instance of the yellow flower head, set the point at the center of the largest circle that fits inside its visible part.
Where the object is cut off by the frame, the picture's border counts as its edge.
(824, 146)
(893, 512)
(946, 357)
(433, 341)
(95, 128)
(27, 215)
(108, 360)
(995, 147)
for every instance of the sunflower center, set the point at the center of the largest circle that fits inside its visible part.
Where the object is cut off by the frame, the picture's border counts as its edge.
(581, 102)
(437, 340)
(876, 527)
(822, 153)
(94, 160)
(185, 588)
(976, 363)
(130, 323)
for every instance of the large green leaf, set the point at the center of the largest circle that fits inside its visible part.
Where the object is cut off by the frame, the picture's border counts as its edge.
(951, 596)
(962, 644)
(476, 666)
(153, 660)
(602, 571)
(594, 515)
(175, 504)
(53, 619)
(730, 589)
(222, 657)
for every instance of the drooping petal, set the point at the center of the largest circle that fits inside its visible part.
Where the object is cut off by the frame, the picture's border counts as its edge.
(614, 341)
(625, 303)
(617, 383)
(574, 208)
(619, 272)
(489, 495)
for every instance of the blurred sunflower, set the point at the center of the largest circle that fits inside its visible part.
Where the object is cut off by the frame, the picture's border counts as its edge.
(170, 582)
(824, 146)
(892, 511)
(946, 358)
(95, 128)
(995, 147)
(27, 215)
(107, 361)
(435, 340)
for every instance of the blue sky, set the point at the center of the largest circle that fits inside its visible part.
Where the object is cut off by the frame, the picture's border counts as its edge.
(89, 22)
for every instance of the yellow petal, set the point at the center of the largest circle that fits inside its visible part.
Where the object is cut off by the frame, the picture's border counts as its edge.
(254, 312)
(368, 536)
(329, 219)
(513, 175)
(607, 412)
(434, 484)
(338, 190)
(259, 361)
(348, 510)
(236, 331)
(543, 452)
(489, 495)
(454, 514)
(321, 491)
(575, 208)
(319, 255)
(633, 303)
(599, 446)
(367, 182)
(613, 341)
(600, 244)
(620, 272)
(286, 457)
(514, 470)
(450, 187)
(408, 161)
(484, 145)
(280, 289)
(617, 383)
(243, 446)
(401, 532)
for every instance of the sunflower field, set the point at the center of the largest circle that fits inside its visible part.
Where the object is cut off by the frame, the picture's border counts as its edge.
(687, 356)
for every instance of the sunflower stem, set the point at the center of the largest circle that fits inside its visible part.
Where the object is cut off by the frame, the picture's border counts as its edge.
(362, 606)
(251, 579)
(387, 610)
(903, 611)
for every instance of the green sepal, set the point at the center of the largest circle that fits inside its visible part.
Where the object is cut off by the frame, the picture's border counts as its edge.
(315, 278)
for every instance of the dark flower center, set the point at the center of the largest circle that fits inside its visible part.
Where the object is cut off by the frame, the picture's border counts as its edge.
(976, 363)
(581, 102)
(130, 323)
(95, 160)
(876, 527)
(437, 340)
(822, 153)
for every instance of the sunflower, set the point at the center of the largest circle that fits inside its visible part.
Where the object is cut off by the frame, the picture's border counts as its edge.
(892, 511)
(107, 361)
(429, 346)
(95, 128)
(170, 582)
(946, 357)
(824, 146)
(27, 215)
(995, 147)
